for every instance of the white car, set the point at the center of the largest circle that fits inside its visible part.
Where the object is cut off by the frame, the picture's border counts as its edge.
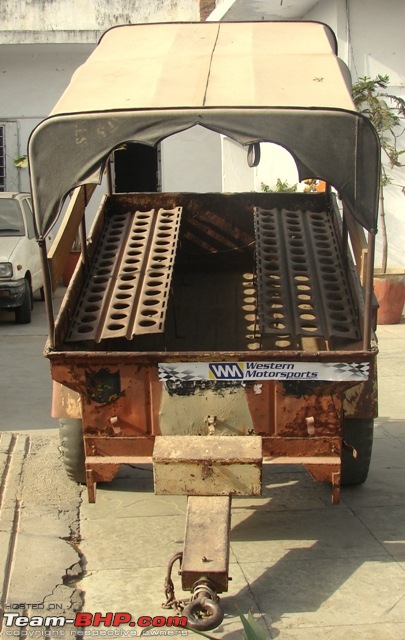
(20, 263)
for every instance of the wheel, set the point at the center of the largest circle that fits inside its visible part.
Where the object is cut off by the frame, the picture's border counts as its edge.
(23, 312)
(72, 448)
(358, 433)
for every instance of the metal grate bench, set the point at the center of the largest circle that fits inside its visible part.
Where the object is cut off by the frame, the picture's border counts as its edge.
(126, 291)
(302, 288)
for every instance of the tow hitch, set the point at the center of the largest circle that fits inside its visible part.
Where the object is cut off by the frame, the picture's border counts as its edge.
(202, 468)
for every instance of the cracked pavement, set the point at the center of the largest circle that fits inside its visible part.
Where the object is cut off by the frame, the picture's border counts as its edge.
(39, 528)
(40, 561)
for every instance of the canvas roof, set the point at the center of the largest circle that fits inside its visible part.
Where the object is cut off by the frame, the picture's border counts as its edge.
(258, 81)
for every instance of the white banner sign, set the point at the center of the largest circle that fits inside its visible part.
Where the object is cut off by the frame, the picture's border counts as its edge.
(254, 371)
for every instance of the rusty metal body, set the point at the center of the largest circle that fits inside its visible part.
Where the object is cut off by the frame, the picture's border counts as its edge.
(217, 301)
(220, 333)
(212, 333)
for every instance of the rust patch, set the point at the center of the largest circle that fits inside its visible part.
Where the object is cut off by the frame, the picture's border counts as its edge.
(103, 386)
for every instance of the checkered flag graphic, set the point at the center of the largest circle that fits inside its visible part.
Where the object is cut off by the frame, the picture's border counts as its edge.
(169, 373)
(349, 371)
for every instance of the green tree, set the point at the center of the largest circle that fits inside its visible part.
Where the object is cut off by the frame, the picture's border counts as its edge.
(387, 113)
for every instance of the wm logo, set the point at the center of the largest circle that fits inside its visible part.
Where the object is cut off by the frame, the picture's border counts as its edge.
(225, 371)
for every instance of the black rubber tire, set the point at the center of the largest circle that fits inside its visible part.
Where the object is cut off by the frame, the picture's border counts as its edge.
(72, 448)
(358, 433)
(23, 312)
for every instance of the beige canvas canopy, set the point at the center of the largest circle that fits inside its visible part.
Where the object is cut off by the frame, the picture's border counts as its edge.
(260, 81)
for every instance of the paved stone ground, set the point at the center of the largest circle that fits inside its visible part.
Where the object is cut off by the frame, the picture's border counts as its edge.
(308, 571)
(39, 529)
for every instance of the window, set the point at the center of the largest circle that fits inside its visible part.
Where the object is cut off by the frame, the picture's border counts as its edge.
(11, 220)
(136, 168)
(29, 217)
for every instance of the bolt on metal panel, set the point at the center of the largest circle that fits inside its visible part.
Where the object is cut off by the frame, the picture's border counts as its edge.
(302, 287)
(127, 289)
(207, 465)
(208, 554)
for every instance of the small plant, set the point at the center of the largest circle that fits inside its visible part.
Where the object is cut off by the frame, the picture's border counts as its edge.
(21, 162)
(282, 186)
(387, 113)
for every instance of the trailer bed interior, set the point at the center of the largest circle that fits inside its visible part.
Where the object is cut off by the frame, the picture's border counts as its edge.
(214, 272)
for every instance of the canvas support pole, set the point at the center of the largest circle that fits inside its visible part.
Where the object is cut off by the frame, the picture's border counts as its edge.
(369, 291)
(47, 291)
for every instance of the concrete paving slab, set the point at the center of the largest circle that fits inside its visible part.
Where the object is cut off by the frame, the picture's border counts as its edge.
(394, 427)
(286, 488)
(131, 494)
(33, 387)
(26, 405)
(325, 592)
(389, 446)
(390, 404)
(14, 449)
(32, 554)
(39, 524)
(45, 519)
(391, 370)
(343, 632)
(386, 481)
(387, 525)
(141, 592)
(321, 534)
(132, 542)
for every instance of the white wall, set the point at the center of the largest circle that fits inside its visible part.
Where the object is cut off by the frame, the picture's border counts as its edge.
(378, 47)
(43, 41)
(326, 12)
(371, 40)
(236, 173)
(191, 161)
(201, 160)
(32, 79)
(53, 21)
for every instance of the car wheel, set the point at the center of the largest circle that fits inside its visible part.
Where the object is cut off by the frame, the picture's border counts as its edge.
(23, 312)
(72, 448)
(358, 433)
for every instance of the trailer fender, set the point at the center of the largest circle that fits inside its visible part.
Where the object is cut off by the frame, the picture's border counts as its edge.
(66, 403)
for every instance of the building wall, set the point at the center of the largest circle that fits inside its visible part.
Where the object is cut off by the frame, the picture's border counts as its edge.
(201, 160)
(32, 79)
(379, 48)
(191, 161)
(42, 42)
(237, 176)
(371, 42)
(75, 21)
(57, 40)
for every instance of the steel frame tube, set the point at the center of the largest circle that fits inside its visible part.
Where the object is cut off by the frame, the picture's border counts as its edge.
(369, 292)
